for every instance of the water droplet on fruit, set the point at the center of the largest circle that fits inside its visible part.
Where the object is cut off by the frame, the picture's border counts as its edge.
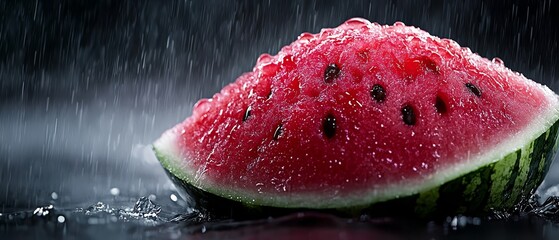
(413, 67)
(270, 69)
(278, 131)
(203, 105)
(498, 61)
(287, 62)
(259, 187)
(378, 93)
(332, 72)
(399, 24)
(264, 58)
(357, 22)
(408, 115)
(329, 126)
(247, 113)
(473, 89)
(305, 36)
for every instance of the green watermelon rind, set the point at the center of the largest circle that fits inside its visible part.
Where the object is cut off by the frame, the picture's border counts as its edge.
(508, 160)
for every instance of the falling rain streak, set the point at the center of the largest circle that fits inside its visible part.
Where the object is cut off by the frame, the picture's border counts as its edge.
(86, 86)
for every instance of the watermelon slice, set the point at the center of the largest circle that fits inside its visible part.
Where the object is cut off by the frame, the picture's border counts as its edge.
(364, 114)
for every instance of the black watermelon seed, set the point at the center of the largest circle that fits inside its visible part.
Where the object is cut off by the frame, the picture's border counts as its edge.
(378, 93)
(473, 89)
(278, 131)
(408, 115)
(329, 126)
(247, 114)
(440, 105)
(332, 72)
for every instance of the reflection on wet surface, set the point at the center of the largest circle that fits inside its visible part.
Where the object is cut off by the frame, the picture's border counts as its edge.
(167, 217)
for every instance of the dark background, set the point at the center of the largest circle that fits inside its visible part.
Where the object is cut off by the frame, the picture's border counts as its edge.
(86, 86)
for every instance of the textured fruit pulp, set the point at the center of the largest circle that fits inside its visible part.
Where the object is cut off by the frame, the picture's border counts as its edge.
(372, 146)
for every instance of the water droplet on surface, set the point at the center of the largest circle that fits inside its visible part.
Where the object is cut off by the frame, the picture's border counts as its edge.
(399, 24)
(357, 22)
(259, 187)
(498, 61)
(174, 197)
(61, 219)
(270, 69)
(264, 58)
(287, 62)
(54, 195)
(305, 36)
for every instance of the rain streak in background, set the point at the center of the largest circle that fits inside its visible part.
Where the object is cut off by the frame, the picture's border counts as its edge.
(87, 86)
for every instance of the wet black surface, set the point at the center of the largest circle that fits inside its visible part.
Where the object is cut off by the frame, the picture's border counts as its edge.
(86, 86)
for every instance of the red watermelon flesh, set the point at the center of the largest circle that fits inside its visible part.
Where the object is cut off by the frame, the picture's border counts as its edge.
(353, 115)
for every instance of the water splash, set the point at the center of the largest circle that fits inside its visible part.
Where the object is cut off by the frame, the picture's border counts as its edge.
(145, 208)
(145, 218)
(530, 205)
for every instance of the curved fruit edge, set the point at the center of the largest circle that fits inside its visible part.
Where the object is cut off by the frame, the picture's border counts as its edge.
(170, 158)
